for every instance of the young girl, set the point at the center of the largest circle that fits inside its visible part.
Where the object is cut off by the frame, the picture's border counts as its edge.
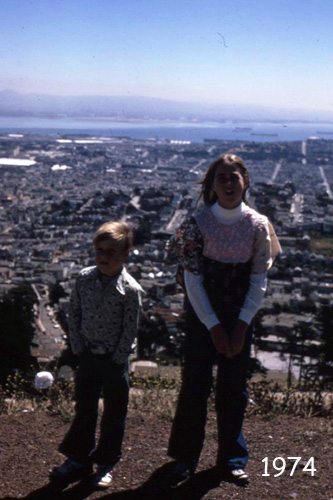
(224, 251)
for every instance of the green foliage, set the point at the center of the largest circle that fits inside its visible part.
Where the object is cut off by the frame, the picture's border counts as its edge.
(64, 207)
(18, 394)
(322, 244)
(16, 328)
(109, 199)
(308, 399)
(160, 394)
(61, 399)
(151, 382)
(157, 394)
(326, 319)
(142, 233)
(56, 292)
(151, 334)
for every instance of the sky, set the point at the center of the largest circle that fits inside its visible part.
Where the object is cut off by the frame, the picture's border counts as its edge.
(257, 52)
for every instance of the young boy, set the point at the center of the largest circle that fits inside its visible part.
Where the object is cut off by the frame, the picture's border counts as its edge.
(103, 319)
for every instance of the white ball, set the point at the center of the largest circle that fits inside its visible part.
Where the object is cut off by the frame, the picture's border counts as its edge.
(43, 380)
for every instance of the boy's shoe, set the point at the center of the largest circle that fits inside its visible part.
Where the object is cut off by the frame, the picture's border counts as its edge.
(103, 476)
(70, 471)
(183, 469)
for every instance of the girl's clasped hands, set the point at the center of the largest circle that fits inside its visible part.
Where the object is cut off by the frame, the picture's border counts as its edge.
(229, 346)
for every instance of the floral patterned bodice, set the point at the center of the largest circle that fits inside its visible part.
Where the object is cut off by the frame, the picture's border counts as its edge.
(226, 255)
(203, 236)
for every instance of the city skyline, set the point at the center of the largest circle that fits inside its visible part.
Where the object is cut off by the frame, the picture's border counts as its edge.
(273, 54)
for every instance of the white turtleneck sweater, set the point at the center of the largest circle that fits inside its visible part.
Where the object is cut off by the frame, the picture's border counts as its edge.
(194, 282)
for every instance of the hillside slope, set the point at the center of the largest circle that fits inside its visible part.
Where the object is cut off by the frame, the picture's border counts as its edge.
(28, 443)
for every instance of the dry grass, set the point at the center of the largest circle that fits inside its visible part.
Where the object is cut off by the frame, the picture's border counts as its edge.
(159, 395)
(322, 245)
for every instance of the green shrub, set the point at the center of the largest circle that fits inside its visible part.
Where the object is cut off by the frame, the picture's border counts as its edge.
(160, 394)
(308, 399)
(19, 394)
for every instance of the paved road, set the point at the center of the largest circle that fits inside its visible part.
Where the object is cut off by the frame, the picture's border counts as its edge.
(326, 184)
(49, 335)
(304, 161)
(297, 208)
(275, 173)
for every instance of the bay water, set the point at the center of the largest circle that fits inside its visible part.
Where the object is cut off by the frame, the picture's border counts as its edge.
(195, 132)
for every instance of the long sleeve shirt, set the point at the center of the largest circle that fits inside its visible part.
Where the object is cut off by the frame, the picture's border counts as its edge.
(265, 248)
(104, 313)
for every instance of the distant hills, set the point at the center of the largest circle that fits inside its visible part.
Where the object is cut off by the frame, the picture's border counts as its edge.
(143, 108)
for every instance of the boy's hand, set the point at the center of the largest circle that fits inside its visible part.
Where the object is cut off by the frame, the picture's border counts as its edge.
(220, 340)
(237, 340)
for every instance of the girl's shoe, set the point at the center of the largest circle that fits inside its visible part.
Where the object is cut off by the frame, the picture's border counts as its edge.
(183, 469)
(239, 475)
(70, 471)
(103, 476)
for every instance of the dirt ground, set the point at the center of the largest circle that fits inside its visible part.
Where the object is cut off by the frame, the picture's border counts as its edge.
(28, 450)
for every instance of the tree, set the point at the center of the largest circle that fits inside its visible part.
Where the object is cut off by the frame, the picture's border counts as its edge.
(16, 329)
(56, 292)
(142, 233)
(325, 318)
(151, 335)
(109, 199)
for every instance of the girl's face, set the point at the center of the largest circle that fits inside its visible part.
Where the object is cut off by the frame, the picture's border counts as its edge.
(229, 185)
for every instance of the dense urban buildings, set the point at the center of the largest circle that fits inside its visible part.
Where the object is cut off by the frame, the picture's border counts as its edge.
(56, 190)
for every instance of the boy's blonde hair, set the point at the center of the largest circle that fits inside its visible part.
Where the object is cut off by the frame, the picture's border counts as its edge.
(118, 233)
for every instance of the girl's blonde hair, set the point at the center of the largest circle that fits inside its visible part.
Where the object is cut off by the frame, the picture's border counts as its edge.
(207, 193)
(119, 233)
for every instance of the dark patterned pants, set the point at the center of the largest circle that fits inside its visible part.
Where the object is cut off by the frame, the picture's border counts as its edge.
(97, 374)
(188, 429)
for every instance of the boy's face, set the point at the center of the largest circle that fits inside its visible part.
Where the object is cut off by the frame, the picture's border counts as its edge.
(109, 258)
